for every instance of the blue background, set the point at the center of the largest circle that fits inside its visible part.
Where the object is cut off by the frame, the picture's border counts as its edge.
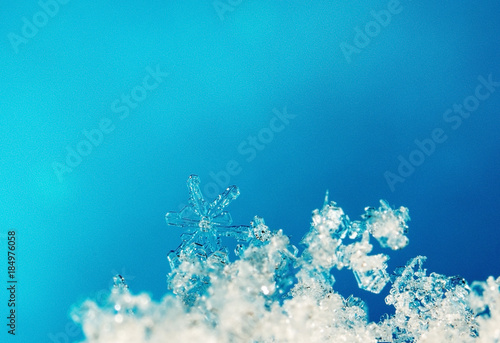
(226, 75)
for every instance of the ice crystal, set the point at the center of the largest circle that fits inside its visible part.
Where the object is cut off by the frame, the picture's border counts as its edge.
(271, 293)
(119, 284)
(326, 243)
(388, 226)
(205, 222)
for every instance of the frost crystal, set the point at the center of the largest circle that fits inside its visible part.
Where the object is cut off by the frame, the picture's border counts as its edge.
(271, 293)
(388, 226)
(327, 248)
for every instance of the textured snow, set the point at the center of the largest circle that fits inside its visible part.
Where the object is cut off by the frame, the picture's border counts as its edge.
(273, 293)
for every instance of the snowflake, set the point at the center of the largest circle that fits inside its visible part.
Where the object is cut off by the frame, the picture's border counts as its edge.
(205, 223)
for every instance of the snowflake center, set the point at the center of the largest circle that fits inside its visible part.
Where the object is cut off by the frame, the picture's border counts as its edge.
(205, 224)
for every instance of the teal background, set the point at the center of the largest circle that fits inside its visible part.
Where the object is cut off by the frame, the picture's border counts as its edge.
(226, 75)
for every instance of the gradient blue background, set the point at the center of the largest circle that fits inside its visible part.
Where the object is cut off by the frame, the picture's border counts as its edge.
(226, 76)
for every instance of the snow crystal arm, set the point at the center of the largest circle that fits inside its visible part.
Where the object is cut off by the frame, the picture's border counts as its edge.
(186, 218)
(196, 197)
(222, 201)
(241, 232)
